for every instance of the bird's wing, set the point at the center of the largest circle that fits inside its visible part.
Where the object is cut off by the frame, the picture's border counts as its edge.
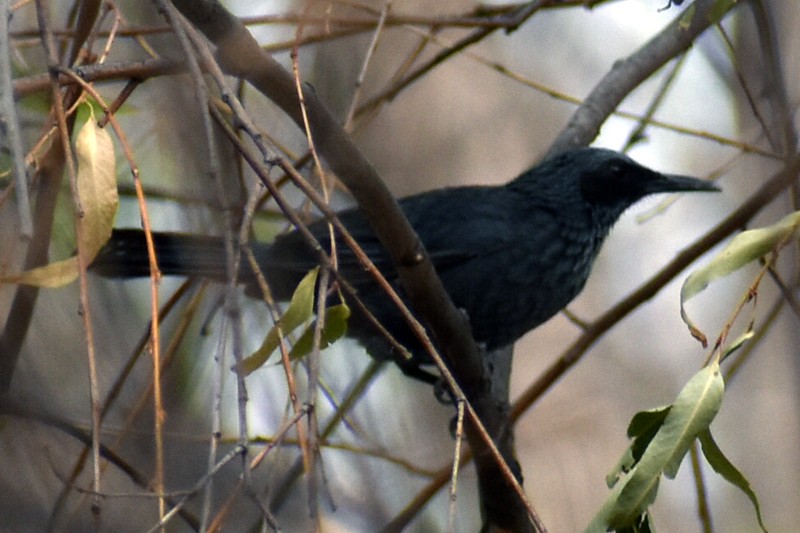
(454, 225)
(458, 226)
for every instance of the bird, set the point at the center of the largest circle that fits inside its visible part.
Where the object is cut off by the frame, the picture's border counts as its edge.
(510, 256)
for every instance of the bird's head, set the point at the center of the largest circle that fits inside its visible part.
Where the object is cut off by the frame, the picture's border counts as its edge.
(599, 182)
(615, 181)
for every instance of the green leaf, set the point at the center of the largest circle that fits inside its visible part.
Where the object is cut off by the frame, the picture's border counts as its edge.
(335, 327)
(643, 427)
(725, 468)
(600, 522)
(738, 342)
(623, 466)
(300, 311)
(743, 249)
(641, 525)
(693, 410)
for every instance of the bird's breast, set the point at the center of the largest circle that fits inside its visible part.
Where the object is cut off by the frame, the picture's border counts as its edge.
(522, 286)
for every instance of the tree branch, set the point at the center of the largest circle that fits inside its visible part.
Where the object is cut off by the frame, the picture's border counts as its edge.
(628, 73)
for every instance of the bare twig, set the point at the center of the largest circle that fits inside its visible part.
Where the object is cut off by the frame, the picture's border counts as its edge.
(11, 121)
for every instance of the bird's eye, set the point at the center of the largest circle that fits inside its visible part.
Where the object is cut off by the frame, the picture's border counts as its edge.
(607, 184)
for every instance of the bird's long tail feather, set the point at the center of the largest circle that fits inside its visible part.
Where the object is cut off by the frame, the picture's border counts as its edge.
(125, 255)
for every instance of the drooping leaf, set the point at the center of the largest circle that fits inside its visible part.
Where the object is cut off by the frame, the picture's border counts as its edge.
(743, 249)
(642, 428)
(49, 276)
(641, 525)
(97, 186)
(725, 468)
(335, 327)
(299, 312)
(97, 193)
(738, 342)
(693, 410)
(623, 466)
(600, 522)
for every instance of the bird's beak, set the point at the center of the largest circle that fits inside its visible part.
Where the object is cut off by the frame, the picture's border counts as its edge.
(678, 183)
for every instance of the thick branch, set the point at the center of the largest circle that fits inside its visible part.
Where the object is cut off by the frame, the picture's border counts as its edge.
(239, 55)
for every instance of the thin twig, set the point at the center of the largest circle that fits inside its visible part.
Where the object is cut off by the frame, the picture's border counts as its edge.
(12, 127)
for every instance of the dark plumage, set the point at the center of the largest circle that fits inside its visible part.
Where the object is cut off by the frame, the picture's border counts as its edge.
(510, 256)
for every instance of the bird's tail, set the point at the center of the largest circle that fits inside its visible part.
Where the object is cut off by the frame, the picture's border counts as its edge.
(125, 255)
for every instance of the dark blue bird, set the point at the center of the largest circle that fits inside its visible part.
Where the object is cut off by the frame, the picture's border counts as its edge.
(510, 256)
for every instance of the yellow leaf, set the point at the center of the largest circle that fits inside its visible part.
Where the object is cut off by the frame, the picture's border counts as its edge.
(49, 276)
(97, 186)
(97, 191)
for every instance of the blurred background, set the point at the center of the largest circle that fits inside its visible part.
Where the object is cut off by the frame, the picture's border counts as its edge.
(479, 117)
